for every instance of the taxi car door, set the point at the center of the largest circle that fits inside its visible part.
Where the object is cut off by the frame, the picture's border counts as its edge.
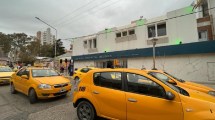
(25, 82)
(107, 93)
(146, 100)
(17, 80)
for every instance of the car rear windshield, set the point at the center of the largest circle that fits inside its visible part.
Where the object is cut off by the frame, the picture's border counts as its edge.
(44, 73)
(5, 69)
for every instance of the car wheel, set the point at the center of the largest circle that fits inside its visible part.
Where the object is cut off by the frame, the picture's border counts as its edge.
(32, 96)
(12, 89)
(85, 111)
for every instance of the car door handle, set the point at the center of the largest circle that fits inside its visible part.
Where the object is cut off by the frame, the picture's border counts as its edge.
(95, 92)
(132, 100)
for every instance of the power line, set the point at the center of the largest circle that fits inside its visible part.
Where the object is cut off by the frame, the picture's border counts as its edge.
(85, 12)
(139, 26)
(99, 10)
(73, 11)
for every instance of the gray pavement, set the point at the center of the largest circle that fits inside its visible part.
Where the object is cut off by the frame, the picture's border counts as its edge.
(17, 107)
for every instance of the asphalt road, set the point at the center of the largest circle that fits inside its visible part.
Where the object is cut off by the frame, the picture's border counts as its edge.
(17, 107)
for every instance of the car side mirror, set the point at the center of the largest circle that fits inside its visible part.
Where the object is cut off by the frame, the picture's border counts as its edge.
(172, 82)
(76, 69)
(24, 76)
(170, 95)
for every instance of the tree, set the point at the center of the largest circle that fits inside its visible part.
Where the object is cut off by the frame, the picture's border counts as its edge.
(59, 48)
(5, 42)
(46, 51)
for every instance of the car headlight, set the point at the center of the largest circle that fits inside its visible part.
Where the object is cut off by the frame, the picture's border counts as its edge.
(44, 86)
(211, 93)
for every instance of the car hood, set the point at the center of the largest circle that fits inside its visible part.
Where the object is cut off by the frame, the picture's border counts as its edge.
(6, 74)
(200, 95)
(52, 80)
(199, 86)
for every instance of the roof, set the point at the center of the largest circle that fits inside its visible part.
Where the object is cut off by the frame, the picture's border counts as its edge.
(65, 56)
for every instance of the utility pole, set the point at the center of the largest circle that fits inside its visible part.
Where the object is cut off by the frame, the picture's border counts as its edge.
(154, 40)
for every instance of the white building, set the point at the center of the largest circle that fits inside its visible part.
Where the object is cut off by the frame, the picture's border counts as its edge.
(47, 37)
(178, 49)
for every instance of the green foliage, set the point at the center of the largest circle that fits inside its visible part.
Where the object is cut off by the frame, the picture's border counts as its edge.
(60, 49)
(5, 42)
(16, 44)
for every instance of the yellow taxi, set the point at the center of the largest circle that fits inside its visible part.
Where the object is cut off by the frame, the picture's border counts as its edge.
(164, 76)
(5, 74)
(81, 72)
(39, 83)
(135, 95)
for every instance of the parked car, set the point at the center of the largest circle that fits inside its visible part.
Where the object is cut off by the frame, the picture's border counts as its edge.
(81, 72)
(164, 76)
(5, 74)
(129, 94)
(39, 83)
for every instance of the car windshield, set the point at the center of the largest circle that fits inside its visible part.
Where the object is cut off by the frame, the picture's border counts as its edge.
(5, 69)
(44, 73)
(160, 76)
(163, 79)
(180, 80)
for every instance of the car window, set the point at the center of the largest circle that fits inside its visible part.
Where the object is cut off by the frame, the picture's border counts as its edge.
(160, 76)
(108, 79)
(5, 69)
(85, 70)
(25, 72)
(142, 85)
(20, 72)
(44, 73)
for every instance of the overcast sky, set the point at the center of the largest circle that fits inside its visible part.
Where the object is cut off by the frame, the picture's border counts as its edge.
(73, 18)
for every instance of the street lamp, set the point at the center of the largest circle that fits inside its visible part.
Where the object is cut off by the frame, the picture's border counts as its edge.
(54, 29)
(154, 40)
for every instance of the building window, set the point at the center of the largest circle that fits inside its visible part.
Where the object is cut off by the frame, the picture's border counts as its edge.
(118, 34)
(94, 43)
(205, 10)
(157, 30)
(124, 33)
(161, 29)
(90, 43)
(151, 31)
(85, 42)
(203, 35)
(131, 32)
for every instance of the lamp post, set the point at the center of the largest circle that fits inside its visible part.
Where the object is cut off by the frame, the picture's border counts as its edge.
(55, 34)
(154, 40)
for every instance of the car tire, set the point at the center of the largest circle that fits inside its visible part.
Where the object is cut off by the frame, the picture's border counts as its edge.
(12, 89)
(32, 96)
(86, 111)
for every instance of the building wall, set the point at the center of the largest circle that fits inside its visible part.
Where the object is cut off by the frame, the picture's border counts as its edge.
(197, 68)
(182, 29)
(80, 64)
